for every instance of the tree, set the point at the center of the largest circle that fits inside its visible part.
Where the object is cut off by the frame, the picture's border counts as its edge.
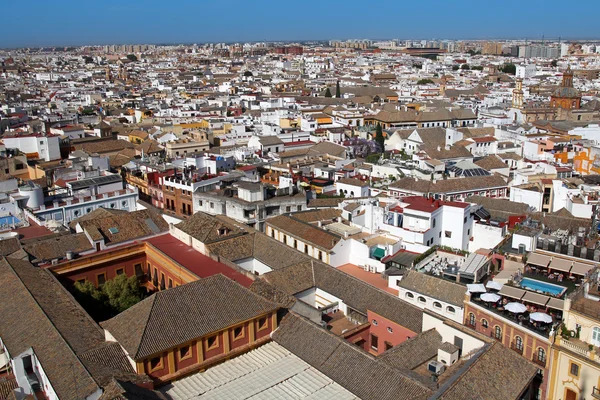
(379, 137)
(477, 68)
(554, 63)
(122, 292)
(509, 68)
(88, 60)
(338, 92)
(424, 81)
(465, 67)
(248, 73)
(455, 68)
(91, 299)
(328, 93)
(132, 57)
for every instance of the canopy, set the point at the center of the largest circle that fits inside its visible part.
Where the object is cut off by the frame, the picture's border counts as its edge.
(557, 304)
(538, 259)
(581, 269)
(560, 264)
(379, 253)
(516, 308)
(494, 285)
(513, 292)
(535, 298)
(476, 288)
(490, 297)
(540, 317)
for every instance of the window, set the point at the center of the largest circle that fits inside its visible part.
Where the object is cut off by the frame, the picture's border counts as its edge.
(101, 279)
(437, 305)
(138, 270)
(450, 310)
(320, 255)
(519, 343)
(81, 281)
(484, 323)
(375, 322)
(88, 210)
(238, 332)
(541, 355)
(409, 295)
(388, 346)
(76, 212)
(285, 239)
(272, 233)
(390, 330)
(471, 319)
(596, 336)
(468, 232)
(421, 299)
(498, 332)
(185, 352)
(212, 342)
(155, 363)
(120, 271)
(306, 249)
(262, 323)
(574, 369)
(448, 234)
(374, 342)
(170, 283)
(434, 222)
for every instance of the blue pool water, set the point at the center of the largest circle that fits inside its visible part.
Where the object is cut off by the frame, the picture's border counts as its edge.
(544, 287)
(9, 220)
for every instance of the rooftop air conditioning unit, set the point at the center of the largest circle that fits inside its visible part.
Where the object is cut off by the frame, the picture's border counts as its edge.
(436, 367)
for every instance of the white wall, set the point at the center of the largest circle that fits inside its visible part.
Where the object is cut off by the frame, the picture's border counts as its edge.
(429, 305)
(486, 236)
(448, 333)
(529, 197)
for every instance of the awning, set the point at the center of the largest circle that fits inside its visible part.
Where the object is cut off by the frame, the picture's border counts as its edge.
(379, 253)
(511, 292)
(580, 269)
(560, 264)
(535, 298)
(557, 304)
(475, 288)
(538, 260)
(494, 285)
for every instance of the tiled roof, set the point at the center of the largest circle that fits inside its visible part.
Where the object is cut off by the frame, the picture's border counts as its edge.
(123, 227)
(43, 316)
(497, 374)
(304, 231)
(491, 162)
(434, 287)
(57, 246)
(104, 146)
(175, 316)
(9, 246)
(317, 215)
(345, 363)
(208, 229)
(353, 182)
(450, 185)
(414, 351)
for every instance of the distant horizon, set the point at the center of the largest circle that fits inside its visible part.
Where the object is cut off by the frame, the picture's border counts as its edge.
(74, 23)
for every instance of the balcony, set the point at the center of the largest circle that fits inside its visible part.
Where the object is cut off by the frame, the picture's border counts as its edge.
(516, 348)
(539, 361)
(576, 346)
(595, 392)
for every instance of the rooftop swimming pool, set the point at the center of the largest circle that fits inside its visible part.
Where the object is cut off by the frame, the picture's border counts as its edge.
(9, 220)
(542, 287)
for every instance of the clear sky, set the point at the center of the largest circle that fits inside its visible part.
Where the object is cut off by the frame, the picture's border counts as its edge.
(80, 22)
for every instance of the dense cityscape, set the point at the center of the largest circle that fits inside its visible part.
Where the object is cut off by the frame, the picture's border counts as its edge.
(331, 219)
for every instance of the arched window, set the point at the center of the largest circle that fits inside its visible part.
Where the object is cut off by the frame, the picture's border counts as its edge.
(518, 343)
(541, 355)
(437, 305)
(484, 323)
(596, 336)
(450, 310)
(471, 319)
(409, 295)
(498, 332)
(422, 299)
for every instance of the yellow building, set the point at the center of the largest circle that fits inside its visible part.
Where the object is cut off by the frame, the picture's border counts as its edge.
(575, 362)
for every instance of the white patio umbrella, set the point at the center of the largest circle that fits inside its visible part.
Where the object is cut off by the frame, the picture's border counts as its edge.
(475, 288)
(540, 317)
(494, 285)
(490, 297)
(516, 308)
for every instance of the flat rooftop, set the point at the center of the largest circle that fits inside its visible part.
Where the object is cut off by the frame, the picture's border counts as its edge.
(373, 279)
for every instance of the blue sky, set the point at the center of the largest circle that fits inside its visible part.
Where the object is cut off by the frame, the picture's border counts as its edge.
(70, 22)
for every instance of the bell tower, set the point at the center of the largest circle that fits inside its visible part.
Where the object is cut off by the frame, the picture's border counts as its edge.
(568, 78)
(517, 96)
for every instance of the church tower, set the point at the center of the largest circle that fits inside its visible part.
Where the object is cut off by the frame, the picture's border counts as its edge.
(108, 74)
(517, 97)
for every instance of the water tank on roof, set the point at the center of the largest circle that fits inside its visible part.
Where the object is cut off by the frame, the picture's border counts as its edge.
(35, 194)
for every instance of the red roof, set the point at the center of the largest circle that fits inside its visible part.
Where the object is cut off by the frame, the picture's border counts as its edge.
(247, 168)
(419, 203)
(484, 139)
(195, 261)
(299, 143)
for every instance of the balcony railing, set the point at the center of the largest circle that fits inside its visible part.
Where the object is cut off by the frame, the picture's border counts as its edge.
(595, 392)
(516, 348)
(575, 347)
(539, 361)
